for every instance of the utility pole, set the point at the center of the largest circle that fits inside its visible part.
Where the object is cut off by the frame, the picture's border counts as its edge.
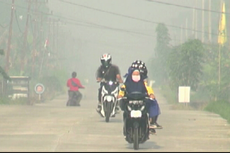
(186, 28)
(196, 20)
(193, 22)
(181, 34)
(41, 31)
(25, 38)
(210, 21)
(57, 43)
(53, 38)
(9, 39)
(41, 46)
(47, 49)
(203, 3)
(34, 37)
(57, 39)
(55, 24)
(228, 25)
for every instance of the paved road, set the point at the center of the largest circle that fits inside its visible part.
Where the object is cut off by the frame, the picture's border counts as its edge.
(53, 127)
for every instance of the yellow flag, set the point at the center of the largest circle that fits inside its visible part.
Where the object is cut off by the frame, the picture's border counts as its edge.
(222, 37)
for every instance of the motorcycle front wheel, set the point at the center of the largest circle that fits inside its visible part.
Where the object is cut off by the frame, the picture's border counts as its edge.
(135, 139)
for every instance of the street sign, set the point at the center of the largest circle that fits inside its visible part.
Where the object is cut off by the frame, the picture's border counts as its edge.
(39, 88)
(184, 94)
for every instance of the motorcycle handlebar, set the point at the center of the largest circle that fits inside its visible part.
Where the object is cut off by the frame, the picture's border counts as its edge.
(105, 81)
(125, 98)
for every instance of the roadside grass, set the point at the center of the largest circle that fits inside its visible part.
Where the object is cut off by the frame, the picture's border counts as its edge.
(172, 99)
(8, 101)
(25, 101)
(221, 108)
(4, 100)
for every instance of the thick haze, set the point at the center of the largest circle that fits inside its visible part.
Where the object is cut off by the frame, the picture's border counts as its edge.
(120, 27)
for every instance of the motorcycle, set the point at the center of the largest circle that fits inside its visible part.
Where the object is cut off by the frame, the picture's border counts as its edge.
(136, 119)
(109, 94)
(72, 99)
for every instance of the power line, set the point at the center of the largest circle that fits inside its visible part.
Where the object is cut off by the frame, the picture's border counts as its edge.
(70, 19)
(110, 28)
(183, 6)
(44, 13)
(115, 29)
(100, 26)
(117, 14)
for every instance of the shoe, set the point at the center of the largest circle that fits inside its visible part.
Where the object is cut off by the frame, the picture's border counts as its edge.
(124, 131)
(152, 126)
(158, 126)
(155, 126)
(98, 109)
(152, 131)
(99, 112)
(117, 110)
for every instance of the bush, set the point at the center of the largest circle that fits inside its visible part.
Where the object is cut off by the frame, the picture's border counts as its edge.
(8, 101)
(219, 107)
(4, 100)
(171, 96)
(52, 86)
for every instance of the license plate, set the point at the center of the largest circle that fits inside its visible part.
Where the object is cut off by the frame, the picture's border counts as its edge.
(136, 114)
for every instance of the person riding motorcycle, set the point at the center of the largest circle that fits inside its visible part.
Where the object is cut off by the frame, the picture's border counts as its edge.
(154, 109)
(74, 85)
(134, 83)
(107, 71)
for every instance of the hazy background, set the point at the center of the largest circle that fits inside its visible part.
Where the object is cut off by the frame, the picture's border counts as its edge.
(80, 31)
(124, 28)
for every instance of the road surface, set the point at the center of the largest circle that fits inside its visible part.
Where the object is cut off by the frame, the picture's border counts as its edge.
(53, 127)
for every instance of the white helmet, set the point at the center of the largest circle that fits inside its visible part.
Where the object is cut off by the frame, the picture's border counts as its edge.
(106, 59)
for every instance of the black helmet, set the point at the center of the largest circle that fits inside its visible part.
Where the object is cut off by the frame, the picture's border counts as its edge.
(74, 74)
(143, 70)
(106, 59)
(141, 66)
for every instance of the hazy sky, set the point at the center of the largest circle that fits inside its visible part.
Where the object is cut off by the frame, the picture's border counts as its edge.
(120, 27)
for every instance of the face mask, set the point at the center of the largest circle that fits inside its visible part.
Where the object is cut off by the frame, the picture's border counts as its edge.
(136, 78)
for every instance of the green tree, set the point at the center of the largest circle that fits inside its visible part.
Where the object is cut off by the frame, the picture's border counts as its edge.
(185, 64)
(162, 50)
(2, 71)
(209, 83)
(37, 16)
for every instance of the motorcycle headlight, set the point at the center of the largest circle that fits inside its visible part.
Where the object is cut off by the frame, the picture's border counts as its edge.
(108, 98)
(110, 82)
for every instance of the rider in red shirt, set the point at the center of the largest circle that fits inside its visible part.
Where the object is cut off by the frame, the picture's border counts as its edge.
(74, 85)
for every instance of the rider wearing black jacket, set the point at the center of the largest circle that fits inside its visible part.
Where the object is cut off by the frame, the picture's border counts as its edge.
(107, 71)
